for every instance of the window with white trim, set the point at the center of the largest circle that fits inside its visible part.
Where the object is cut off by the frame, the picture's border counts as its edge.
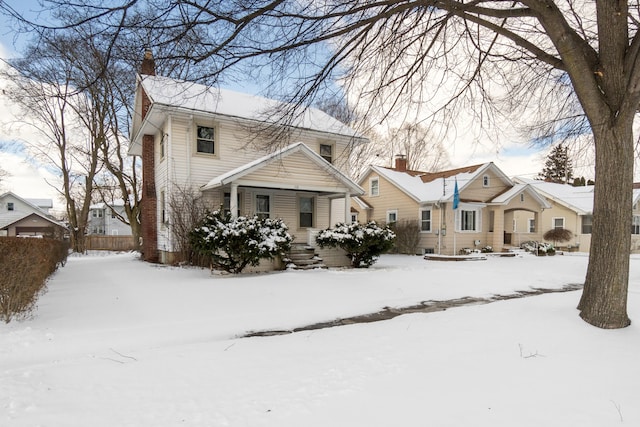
(10, 206)
(587, 224)
(326, 152)
(354, 218)
(374, 187)
(635, 225)
(305, 211)
(205, 140)
(425, 220)
(392, 216)
(558, 223)
(532, 225)
(468, 220)
(263, 205)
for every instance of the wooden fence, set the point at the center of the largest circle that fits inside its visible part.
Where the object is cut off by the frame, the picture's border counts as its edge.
(110, 243)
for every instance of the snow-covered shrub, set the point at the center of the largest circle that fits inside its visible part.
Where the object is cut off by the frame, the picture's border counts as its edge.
(487, 249)
(234, 243)
(362, 243)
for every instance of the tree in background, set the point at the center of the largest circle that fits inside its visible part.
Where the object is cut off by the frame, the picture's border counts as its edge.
(558, 167)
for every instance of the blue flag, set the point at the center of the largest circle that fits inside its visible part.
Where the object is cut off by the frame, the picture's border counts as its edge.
(456, 196)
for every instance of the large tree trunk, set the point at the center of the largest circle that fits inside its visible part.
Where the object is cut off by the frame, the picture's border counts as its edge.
(604, 298)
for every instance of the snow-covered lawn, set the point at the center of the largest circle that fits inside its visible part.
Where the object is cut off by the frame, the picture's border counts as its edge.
(118, 342)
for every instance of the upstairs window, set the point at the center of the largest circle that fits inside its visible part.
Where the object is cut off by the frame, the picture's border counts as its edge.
(10, 206)
(326, 152)
(205, 141)
(485, 181)
(374, 187)
(635, 226)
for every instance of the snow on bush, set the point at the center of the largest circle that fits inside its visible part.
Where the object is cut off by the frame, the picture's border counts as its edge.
(234, 243)
(362, 243)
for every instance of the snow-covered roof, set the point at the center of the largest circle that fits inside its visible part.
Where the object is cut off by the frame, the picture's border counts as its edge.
(578, 199)
(508, 195)
(239, 172)
(426, 187)
(194, 97)
(8, 219)
(41, 203)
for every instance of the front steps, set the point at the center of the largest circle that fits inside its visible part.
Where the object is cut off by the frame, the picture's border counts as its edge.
(303, 257)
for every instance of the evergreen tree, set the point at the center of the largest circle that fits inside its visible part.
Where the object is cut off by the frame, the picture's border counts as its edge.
(558, 167)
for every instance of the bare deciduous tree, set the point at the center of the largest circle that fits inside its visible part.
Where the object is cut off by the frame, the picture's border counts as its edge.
(568, 66)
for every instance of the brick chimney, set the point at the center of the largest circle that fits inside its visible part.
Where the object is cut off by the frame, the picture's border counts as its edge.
(149, 213)
(401, 163)
(148, 64)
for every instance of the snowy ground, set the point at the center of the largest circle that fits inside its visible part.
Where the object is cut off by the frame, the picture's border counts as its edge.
(118, 342)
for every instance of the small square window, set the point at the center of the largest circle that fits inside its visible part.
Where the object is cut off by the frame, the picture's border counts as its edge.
(206, 140)
(326, 152)
(10, 206)
(558, 222)
(392, 216)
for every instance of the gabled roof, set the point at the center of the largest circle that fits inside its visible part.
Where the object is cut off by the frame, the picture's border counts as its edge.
(578, 199)
(9, 218)
(190, 97)
(507, 196)
(299, 147)
(435, 187)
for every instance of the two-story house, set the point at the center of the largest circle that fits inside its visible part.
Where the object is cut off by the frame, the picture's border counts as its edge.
(488, 202)
(103, 220)
(208, 140)
(28, 217)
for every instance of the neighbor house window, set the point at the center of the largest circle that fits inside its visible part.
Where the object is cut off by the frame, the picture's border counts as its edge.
(558, 223)
(354, 218)
(326, 152)
(522, 197)
(469, 220)
(306, 211)
(485, 181)
(587, 224)
(263, 205)
(162, 147)
(374, 187)
(392, 216)
(425, 220)
(205, 141)
(635, 225)
(97, 213)
(532, 225)
(10, 206)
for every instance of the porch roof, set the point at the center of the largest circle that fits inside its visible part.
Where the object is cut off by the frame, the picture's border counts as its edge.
(517, 189)
(240, 175)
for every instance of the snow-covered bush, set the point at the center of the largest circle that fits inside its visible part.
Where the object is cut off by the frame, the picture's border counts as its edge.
(362, 243)
(234, 243)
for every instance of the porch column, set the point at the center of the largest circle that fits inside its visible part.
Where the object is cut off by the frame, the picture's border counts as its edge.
(233, 200)
(347, 208)
(498, 230)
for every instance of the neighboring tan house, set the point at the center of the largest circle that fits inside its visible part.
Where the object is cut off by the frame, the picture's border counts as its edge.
(489, 202)
(572, 209)
(28, 217)
(103, 220)
(197, 138)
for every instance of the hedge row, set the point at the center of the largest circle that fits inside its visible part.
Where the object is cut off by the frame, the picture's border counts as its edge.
(25, 265)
